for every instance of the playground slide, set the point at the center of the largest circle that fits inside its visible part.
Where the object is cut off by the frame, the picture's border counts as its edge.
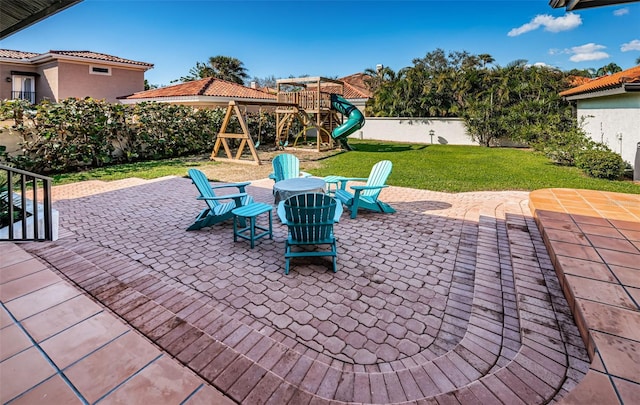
(355, 120)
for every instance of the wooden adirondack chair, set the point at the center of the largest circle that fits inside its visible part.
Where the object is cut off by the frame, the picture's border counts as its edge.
(309, 218)
(217, 209)
(366, 196)
(286, 166)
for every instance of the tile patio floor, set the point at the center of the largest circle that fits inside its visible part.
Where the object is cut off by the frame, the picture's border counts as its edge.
(454, 299)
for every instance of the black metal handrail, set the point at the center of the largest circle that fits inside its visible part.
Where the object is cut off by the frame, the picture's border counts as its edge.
(26, 186)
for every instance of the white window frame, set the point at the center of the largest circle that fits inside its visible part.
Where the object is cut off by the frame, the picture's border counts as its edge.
(19, 85)
(93, 72)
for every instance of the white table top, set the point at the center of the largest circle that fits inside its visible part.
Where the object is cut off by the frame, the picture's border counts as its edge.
(290, 187)
(299, 184)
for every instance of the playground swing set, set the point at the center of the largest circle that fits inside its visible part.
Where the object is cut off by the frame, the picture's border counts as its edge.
(315, 102)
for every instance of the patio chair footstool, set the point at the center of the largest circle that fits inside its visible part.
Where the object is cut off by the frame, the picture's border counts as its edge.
(248, 232)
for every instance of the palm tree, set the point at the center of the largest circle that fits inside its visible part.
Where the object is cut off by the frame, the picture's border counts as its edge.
(608, 69)
(485, 58)
(638, 60)
(376, 77)
(220, 67)
(228, 68)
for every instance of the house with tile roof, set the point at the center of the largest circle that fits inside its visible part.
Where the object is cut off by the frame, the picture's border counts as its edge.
(610, 108)
(208, 92)
(57, 75)
(212, 92)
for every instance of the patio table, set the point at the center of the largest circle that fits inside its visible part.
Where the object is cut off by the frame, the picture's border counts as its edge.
(299, 185)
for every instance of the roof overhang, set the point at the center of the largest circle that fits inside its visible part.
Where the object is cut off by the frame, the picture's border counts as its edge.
(614, 91)
(580, 4)
(19, 14)
(47, 57)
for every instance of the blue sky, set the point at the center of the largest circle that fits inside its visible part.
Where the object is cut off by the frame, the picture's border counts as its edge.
(335, 38)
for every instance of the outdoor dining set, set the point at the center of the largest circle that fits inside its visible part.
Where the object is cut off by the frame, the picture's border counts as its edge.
(309, 206)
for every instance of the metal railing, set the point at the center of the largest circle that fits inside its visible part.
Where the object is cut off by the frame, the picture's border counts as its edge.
(24, 95)
(21, 199)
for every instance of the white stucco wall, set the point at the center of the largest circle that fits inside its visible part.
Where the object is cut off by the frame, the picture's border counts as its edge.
(608, 118)
(415, 130)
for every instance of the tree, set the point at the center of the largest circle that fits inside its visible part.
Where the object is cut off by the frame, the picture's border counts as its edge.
(589, 73)
(220, 67)
(199, 71)
(228, 68)
(148, 86)
(638, 60)
(376, 77)
(608, 69)
(268, 82)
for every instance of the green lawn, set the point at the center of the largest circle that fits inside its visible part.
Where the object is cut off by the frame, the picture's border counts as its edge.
(432, 167)
(465, 168)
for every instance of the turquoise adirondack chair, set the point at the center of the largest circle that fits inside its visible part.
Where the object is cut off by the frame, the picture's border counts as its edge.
(217, 209)
(309, 218)
(286, 166)
(366, 196)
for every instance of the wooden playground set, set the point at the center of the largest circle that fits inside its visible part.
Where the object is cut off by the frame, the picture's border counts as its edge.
(315, 103)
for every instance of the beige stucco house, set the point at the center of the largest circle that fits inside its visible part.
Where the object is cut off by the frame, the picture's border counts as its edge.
(57, 75)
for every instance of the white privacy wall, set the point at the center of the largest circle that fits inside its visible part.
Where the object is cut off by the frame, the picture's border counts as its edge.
(614, 121)
(416, 130)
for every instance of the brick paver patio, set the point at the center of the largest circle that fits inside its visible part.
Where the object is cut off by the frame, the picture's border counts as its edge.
(452, 299)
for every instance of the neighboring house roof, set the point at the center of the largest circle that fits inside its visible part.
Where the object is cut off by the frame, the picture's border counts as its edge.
(19, 14)
(9, 54)
(617, 83)
(86, 56)
(201, 90)
(217, 90)
(355, 86)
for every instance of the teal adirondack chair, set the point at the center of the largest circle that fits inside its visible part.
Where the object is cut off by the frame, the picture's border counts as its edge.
(217, 209)
(366, 196)
(286, 166)
(309, 218)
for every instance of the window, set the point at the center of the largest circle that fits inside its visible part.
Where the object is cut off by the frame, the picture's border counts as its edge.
(23, 88)
(100, 70)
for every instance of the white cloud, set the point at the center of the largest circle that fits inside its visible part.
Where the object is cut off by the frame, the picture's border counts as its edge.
(621, 11)
(551, 24)
(587, 52)
(631, 46)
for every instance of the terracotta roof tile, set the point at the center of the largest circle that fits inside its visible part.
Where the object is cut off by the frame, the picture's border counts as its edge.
(100, 56)
(354, 87)
(8, 53)
(606, 82)
(204, 87)
(358, 84)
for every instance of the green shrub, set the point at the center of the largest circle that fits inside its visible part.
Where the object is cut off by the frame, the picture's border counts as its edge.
(562, 147)
(601, 163)
(81, 134)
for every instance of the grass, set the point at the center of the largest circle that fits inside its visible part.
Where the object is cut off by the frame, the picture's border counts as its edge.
(452, 168)
(143, 170)
(445, 168)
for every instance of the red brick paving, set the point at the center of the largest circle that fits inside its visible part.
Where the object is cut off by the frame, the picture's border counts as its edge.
(452, 299)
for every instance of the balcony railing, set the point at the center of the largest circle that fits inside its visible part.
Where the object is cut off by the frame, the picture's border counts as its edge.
(24, 95)
(25, 206)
